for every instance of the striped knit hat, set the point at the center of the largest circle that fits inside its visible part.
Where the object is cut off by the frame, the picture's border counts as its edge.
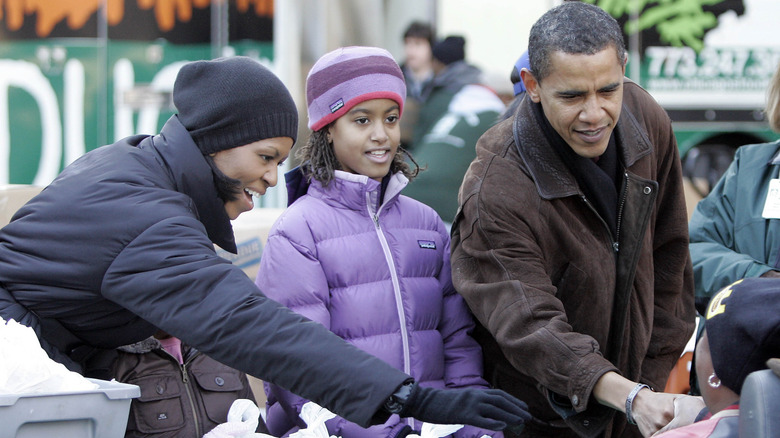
(347, 76)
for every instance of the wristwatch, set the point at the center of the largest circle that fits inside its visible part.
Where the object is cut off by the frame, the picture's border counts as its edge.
(397, 400)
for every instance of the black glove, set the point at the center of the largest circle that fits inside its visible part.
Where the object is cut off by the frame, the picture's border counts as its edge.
(491, 409)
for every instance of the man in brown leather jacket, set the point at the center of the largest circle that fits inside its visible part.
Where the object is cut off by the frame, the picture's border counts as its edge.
(571, 243)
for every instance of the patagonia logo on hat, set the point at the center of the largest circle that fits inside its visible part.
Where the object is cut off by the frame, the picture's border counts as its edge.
(427, 244)
(336, 105)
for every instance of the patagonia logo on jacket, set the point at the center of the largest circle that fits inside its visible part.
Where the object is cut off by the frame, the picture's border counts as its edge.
(427, 244)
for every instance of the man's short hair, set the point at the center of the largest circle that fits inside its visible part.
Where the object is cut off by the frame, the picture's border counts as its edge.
(420, 29)
(575, 28)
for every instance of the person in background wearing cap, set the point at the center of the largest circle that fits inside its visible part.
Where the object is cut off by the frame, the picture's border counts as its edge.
(517, 85)
(121, 245)
(457, 110)
(570, 246)
(741, 334)
(353, 254)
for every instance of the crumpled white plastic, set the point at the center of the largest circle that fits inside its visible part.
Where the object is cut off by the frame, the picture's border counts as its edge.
(26, 369)
(430, 430)
(315, 417)
(242, 420)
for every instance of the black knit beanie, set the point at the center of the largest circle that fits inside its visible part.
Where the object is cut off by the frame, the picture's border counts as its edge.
(450, 49)
(229, 102)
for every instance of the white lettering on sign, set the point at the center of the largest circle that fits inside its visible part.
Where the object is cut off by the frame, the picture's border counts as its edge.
(28, 77)
(64, 134)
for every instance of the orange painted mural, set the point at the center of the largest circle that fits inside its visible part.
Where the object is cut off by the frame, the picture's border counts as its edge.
(75, 13)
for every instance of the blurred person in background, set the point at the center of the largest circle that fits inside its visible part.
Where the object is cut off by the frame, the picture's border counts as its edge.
(417, 66)
(457, 111)
(517, 85)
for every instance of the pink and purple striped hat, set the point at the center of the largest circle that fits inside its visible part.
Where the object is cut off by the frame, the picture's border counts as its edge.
(343, 78)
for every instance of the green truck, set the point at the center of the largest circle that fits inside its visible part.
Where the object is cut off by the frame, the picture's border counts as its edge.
(78, 74)
(708, 63)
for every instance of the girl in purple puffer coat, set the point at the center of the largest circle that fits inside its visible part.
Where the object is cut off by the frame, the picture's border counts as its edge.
(351, 253)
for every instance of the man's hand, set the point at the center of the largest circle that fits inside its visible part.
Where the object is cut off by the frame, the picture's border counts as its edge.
(653, 410)
(686, 409)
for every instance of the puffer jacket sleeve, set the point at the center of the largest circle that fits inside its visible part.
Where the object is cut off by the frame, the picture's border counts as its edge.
(210, 304)
(713, 224)
(291, 274)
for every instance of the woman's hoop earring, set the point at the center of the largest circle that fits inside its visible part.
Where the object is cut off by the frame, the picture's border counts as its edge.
(711, 381)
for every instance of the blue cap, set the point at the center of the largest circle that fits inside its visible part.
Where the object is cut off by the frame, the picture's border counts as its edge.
(517, 81)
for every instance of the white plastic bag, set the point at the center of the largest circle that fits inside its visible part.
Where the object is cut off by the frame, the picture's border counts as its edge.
(242, 420)
(430, 430)
(26, 369)
(315, 417)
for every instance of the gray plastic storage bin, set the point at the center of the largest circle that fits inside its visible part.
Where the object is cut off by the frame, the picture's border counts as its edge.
(99, 413)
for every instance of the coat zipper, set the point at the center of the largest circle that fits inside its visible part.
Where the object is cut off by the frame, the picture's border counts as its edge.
(623, 196)
(396, 288)
(186, 380)
(615, 246)
(622, 204)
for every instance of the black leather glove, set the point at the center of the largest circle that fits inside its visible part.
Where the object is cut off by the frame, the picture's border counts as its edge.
(491, 409)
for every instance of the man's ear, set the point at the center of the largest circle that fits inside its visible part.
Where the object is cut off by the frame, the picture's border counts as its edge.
(531, 84)
(625, 63)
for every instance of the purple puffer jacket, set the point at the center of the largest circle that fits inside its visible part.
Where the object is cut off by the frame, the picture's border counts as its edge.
(378, 278)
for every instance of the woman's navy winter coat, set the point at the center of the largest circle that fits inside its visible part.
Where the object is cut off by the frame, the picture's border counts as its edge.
(121, 244)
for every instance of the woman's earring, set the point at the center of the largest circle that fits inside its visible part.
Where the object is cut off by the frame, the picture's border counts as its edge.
(713, 381)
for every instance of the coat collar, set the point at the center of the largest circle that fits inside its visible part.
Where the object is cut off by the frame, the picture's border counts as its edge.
(193, 177)
(358, 192)
(551, 176)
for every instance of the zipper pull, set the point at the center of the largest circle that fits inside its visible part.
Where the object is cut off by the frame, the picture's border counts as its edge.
(615, 246)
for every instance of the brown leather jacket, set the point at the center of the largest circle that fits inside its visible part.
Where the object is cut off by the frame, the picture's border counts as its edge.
(178, 400)
(560, 299)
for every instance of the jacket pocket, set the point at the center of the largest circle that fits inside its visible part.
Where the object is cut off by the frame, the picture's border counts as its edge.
(219, 389)
(159, 408)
